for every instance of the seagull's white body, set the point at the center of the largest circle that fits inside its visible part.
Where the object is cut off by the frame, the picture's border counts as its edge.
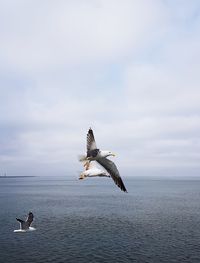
(99, 155)
(24, 231)
(92, 171)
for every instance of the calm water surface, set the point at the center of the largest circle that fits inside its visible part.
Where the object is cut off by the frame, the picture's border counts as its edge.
(93, 221)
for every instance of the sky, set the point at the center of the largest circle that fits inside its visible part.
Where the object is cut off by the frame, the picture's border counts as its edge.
(127, 68)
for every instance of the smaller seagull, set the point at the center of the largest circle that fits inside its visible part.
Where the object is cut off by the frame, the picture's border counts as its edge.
(26, 225)
(92, 171)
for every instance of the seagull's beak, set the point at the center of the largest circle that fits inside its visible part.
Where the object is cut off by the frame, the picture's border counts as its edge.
(113, 154)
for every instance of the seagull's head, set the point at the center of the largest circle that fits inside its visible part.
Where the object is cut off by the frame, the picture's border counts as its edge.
(30, 214)
(106, 153)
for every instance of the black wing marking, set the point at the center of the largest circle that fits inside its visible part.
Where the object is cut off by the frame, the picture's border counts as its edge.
(91, 144)
(22, 223)
(93, 153)
(111, 168)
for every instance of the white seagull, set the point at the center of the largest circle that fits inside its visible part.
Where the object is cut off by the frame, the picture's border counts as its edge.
(92, 171)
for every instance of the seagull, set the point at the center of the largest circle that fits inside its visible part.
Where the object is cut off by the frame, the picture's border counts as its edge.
(92, 171)
(24, 225)
(95, 154)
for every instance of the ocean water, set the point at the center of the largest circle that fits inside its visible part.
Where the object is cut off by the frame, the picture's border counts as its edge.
(158, 220)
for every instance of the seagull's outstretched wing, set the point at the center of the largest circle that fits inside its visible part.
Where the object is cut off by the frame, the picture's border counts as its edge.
(111, 168)
(29, 219)
(22, 223)
(91, 144)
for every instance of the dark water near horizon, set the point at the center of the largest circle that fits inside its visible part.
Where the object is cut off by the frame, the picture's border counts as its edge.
(93, 221)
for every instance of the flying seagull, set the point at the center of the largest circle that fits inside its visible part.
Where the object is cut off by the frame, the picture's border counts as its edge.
(24, 225)
(92, 171)
(95, 154)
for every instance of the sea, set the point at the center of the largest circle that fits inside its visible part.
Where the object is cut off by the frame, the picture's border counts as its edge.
(92, 220)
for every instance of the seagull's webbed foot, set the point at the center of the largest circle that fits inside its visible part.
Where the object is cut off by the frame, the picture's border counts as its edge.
(87, 165)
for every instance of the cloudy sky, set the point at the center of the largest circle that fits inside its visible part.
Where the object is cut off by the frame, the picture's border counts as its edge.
(127, 68)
